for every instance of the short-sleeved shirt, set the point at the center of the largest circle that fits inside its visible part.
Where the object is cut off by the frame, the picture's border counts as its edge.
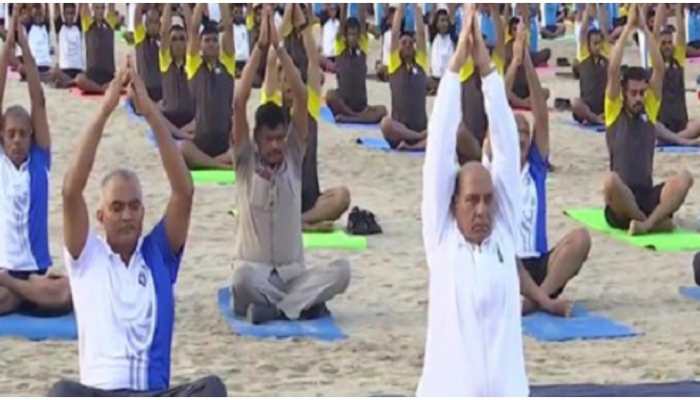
(441, 51)
(310, 187)
(24, 202)
(351, 72)
(70, 45)
(408, 84)
(40, 44)
(593, 78)
(212, 88)
(631, 140)
(269, 203)
(125, 312)
(674, 111)
(99, 44)
(147, 59)
(328, 38)
(178, 104)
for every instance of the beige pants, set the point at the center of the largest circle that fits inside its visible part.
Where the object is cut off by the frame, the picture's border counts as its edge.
(292, 290)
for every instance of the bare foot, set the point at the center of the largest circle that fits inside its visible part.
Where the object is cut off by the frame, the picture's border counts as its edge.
(323, 226)
(637, 228)
(528, 306)
(560, 307)
(224, 160)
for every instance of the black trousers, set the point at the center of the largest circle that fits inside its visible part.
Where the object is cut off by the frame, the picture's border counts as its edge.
(211, 386)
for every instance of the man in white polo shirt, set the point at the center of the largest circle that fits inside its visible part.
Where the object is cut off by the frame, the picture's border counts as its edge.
(122, 284)
(25, 160)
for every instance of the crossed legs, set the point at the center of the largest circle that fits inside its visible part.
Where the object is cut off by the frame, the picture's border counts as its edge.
(330, 205)
(48, 293)
(345, 114)
(400, 136)
(622, 202)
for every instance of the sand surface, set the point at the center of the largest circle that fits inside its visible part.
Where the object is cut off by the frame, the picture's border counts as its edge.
(384, 310)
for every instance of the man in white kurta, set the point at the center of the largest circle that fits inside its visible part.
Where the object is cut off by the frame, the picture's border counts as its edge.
(474, 339)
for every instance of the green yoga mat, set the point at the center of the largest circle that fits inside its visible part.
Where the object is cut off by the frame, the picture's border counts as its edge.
(334, 240)
(222, 177)
(678, 240)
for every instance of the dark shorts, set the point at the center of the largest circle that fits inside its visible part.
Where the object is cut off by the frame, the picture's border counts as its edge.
(99, 77)
(179, 119)
(551, 28)
(71, 72)
(537, 268)
(43, 69)
(647, 200)
(26, 306)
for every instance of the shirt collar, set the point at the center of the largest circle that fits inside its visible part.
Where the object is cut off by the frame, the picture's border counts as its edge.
(114, 256)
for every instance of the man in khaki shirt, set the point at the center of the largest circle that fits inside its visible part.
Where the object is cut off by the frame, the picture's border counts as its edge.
(270, 279)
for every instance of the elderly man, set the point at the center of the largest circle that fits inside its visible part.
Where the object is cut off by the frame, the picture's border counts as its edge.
(270, 279)
(122, 283)
(470, 227)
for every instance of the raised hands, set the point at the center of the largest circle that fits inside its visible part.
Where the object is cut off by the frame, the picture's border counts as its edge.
(114, 91)
(519, 45)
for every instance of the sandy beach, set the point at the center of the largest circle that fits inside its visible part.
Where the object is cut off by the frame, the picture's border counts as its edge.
(384, 310)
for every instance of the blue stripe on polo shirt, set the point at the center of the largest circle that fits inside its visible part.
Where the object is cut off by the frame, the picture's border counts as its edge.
(164, 266)
(39, 167)
(538, 170)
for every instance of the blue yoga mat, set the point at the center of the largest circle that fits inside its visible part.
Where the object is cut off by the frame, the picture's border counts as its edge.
(381, 144)
(39, 328)
(581, 325)
(320, 329)
(679, 149)
(327, 117)
(586, 127)
(692, 293)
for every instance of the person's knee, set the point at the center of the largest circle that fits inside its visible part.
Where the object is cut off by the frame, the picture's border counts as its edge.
(343, 199)
(582, 241)
(611, 183)
(213, 386)
(342, 275)
(386, 125)
(65, 388)
(243, 278)
(686, 180)
(382, 110)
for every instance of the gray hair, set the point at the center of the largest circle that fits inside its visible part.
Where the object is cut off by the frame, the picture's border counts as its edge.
(123, 173)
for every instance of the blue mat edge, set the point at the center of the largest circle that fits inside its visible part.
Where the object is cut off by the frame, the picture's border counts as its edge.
(224, 295)
(579, 311)
(66, 333)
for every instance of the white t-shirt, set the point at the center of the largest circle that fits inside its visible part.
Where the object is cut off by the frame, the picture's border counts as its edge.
(240, 37)
(214, 11)
(330, 31)
(70, 48)
(440, 53)
(40, 43)
(15, 250)
(386, 47)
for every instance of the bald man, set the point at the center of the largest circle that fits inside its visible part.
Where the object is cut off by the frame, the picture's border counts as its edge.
(25, 162)
(122, 283)
(470, 221)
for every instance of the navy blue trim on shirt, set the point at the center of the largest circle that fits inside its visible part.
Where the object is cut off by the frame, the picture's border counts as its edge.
(39, 167)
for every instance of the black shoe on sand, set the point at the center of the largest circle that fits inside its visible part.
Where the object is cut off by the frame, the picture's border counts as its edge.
(259, 314)
(315, 311)
(696, 268)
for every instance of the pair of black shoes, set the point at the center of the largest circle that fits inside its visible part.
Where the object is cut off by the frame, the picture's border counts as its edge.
(362, 222)
(260, 313)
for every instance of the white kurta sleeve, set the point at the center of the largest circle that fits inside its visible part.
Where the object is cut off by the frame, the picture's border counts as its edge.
(505, 153)
(439, 168)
